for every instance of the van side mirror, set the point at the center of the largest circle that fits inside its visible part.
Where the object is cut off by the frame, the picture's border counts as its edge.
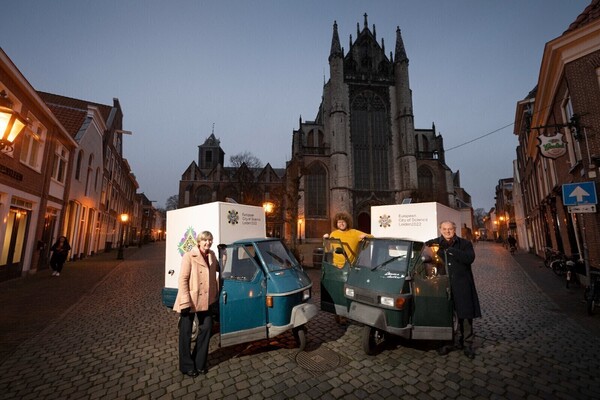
(426, 259)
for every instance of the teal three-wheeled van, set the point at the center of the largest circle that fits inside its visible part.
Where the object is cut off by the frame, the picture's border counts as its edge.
(393, 287)
(264, 293)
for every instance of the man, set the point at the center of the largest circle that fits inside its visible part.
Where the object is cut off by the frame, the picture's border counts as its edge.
(458, 255)
(349, 237)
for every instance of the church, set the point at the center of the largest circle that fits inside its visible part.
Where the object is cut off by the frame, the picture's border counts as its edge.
(361, 150)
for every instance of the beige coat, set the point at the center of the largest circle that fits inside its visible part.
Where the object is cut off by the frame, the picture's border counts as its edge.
(198, 282)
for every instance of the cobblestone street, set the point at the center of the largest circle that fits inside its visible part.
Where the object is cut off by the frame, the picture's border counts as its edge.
(119, 342)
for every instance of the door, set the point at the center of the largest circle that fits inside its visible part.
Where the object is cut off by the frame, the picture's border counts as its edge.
(433, 316)
(242, 301)
(334, 274)
(13, 249)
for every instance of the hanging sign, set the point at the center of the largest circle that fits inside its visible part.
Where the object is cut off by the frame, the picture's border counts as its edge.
(552, 146)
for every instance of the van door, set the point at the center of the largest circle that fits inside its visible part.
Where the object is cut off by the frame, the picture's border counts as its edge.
(433, 310)
(242, 301)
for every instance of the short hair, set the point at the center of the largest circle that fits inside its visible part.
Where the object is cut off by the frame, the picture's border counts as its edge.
(447, 222)
(342, 216)
(204, 236)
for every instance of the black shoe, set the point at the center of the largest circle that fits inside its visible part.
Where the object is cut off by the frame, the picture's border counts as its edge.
(203, 371)
(470, 353)
(444, 350)
(192, 374)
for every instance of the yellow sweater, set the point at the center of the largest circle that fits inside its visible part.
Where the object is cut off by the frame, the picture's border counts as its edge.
(350, 239)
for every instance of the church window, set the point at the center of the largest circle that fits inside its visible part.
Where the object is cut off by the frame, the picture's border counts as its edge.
(316, 198)
(370, 143)
(425, 177)
(203, 195)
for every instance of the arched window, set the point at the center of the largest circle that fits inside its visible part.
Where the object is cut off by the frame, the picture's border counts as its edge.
(78, 166)
(203, 195)
(316, 191)
(370, 134)
(425, 177)
(90, 171)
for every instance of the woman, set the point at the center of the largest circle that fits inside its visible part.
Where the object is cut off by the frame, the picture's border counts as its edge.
(198, 291)
(60, 251)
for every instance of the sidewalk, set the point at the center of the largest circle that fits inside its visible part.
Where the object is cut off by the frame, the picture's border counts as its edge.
(32, 303)
(569, 301)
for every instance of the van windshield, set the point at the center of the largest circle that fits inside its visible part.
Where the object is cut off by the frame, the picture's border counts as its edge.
(276, 256)
(387, 254)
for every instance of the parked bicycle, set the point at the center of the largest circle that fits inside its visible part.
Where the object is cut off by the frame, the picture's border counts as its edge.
(592, 291)
(551, 255)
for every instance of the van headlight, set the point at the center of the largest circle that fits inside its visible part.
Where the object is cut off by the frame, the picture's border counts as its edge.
(349, 292)
(387, 301)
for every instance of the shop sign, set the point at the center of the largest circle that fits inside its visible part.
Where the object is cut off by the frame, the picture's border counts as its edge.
(552, 146)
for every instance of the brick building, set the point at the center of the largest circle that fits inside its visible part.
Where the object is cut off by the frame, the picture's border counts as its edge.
(558, 125)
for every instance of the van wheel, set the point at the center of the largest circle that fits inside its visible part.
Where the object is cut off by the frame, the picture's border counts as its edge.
(300, 337)
(372, 338)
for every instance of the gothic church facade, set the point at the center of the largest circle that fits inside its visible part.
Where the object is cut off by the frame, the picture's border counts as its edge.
(362, 149)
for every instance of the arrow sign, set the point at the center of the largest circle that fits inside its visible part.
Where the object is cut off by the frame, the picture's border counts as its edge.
(581, 193)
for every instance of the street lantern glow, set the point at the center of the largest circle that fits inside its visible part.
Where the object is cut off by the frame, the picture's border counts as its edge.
(268, 207)
(11, 123)
(124, 218)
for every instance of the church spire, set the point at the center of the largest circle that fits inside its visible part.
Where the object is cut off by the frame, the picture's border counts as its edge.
(400, 51)
(336, 47)
(366, 23)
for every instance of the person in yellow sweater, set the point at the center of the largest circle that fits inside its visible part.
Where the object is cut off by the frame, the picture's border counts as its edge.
(349, 237)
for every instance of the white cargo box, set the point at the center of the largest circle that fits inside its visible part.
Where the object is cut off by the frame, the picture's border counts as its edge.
(227, 222)
(418, 221)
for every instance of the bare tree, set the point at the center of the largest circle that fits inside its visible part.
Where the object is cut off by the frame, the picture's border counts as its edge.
(247, 158)
(172, 202)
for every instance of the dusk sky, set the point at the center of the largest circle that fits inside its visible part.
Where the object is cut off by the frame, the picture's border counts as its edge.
(253, 68)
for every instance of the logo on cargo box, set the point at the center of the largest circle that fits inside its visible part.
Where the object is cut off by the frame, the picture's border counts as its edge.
(233, 217)
(187, 242)
(385, 221)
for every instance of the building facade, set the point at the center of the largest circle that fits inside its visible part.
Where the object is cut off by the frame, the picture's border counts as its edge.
(362, 149)
(558, 126)
(34, 179)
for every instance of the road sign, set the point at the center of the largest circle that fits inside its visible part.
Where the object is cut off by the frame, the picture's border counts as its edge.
(580, 193)
(583, 209)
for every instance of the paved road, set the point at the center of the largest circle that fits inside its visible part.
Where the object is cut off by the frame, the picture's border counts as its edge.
(118, 342)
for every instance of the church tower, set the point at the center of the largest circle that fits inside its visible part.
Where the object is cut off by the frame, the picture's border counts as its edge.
(362, 149)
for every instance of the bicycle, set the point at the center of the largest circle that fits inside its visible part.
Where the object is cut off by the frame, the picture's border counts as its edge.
(551, 255)
(592, 292)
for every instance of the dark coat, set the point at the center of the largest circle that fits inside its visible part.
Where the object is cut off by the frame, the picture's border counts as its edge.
(458, 258)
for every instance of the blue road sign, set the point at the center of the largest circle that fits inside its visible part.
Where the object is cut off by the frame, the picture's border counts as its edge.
(575, 194)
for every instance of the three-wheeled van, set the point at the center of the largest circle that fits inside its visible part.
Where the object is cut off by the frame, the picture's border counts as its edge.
(399, 287)
(396, 285)
(264, 290)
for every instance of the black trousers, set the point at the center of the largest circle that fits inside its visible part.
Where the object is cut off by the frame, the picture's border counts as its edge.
(466, 335)
(195, 359)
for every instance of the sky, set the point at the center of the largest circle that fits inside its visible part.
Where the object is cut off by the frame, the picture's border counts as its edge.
(248, 70)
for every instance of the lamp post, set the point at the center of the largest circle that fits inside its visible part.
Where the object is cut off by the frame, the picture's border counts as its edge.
(11, 123)
(268, 208)
(124, 218)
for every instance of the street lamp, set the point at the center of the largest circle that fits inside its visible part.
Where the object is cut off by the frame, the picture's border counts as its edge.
(11, 123)
(124, 218)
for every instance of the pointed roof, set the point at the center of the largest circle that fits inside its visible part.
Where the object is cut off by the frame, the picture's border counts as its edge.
(400, 50)
(336, 48)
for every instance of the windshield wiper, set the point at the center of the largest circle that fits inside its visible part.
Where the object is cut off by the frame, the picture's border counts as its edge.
(388, 261)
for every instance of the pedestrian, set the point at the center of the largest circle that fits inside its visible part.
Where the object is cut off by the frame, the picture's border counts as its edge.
(457, 253)
(349, 237)
(512, 243)
(197, 295)
(60, 250)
